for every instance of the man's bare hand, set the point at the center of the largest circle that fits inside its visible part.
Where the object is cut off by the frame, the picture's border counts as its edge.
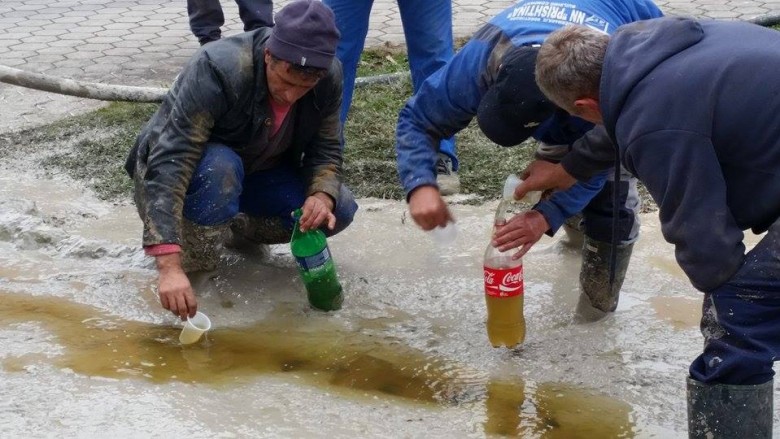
(317, 209)
(541, 175)
(174, 287)
(428, 208)
(522, 231)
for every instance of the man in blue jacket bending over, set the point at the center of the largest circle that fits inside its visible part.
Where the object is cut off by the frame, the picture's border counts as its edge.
(676, 96)
(492, 78)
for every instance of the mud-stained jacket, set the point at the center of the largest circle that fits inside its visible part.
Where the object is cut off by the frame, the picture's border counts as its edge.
(449, 99)
(222, 96)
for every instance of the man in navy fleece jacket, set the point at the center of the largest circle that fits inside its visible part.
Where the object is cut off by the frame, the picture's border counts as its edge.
(694, 108)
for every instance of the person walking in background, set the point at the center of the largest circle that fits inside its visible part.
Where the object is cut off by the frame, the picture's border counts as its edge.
(428, 32)
(206, 17)
(679, 99)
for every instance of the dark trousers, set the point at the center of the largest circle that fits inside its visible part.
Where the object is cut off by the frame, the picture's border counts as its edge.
(741, 320)
(598, 214)
(219, 190)
(206, 17)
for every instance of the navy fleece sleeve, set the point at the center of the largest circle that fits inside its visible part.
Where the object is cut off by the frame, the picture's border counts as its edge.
(590, 154)
(682, 173)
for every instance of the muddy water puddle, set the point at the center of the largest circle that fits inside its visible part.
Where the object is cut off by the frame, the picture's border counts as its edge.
(680, 312)
(352, 364)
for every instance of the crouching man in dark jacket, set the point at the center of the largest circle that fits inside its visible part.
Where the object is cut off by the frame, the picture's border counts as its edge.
(248, 133)
(678, 110)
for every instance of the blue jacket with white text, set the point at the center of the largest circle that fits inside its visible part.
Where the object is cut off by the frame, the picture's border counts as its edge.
(448, 100)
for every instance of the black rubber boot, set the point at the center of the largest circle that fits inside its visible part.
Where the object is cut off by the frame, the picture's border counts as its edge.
(725, 411)
(201, 246)
(597, 297)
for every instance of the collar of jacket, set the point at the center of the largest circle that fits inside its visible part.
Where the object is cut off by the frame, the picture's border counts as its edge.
(258, 111)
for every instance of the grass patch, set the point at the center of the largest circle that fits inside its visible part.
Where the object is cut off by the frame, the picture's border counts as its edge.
(387, 59)
(369, 157)
(92, 147)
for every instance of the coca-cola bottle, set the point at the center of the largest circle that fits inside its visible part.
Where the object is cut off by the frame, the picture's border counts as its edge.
(504, 276)
(504, 288)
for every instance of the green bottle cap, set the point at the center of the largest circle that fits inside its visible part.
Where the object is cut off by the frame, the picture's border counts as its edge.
(296, 214)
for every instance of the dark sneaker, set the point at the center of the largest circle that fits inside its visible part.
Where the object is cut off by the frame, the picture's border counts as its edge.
(446, 178)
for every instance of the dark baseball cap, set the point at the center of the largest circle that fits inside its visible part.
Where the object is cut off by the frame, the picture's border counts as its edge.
(513, 106)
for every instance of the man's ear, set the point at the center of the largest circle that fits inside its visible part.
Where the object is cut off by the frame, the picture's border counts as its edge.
(588, 109)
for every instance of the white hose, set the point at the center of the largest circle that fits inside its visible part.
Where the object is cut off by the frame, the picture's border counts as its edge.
(127, 93)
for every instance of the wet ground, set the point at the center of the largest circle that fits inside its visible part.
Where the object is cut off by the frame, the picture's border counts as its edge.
(85, 349)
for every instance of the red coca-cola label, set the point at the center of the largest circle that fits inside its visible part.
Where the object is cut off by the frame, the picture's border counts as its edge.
(504, 282)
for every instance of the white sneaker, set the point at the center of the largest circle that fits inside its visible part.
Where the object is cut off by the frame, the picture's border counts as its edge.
(446, 178)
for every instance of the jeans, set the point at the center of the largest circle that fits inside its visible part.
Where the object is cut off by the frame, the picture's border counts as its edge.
(428, 32)
(206, 17)
(219, 190)
(741, 320)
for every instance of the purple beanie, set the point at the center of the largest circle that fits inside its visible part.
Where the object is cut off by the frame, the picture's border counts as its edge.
(305, 34)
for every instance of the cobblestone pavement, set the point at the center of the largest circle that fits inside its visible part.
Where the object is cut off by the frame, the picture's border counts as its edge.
(145, 42)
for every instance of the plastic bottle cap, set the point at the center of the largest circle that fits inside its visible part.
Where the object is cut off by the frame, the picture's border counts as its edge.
(296, 214)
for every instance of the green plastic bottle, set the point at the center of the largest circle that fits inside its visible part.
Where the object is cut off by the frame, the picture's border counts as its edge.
(316, 267)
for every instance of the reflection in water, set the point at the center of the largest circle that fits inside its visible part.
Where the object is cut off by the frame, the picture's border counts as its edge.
(553, 411)
(98, 345)
(109, 347)
(565, 412)
(503, 403)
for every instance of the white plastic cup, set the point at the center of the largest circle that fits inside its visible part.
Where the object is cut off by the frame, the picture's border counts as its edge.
(194, 328)
(446, 235)
(512, 182)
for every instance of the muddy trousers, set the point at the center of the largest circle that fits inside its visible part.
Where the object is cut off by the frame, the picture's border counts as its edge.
(428, 31)
(741, 328)
(219, 190)
(206, 17)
